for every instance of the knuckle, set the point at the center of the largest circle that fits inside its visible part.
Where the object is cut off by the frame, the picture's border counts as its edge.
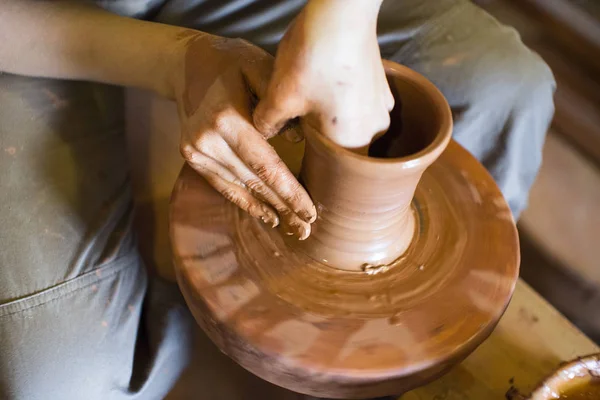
(295, 196)
(236, 198)
(192, 156)
(187, 151)
(203, 145)
(255, 185)
(229, 194)
(222, 120)
(268, 172)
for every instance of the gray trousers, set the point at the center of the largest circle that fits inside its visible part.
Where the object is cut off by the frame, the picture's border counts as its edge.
(76, 312)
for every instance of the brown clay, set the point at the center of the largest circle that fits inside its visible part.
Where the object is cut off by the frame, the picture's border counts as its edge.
(443, 267)
(576, 380)
(365, 219)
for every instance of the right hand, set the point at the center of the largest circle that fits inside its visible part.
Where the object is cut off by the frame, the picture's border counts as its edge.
(328, 70)
(218, 78)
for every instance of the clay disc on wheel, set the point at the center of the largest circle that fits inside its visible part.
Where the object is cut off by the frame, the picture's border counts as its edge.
(331, 333)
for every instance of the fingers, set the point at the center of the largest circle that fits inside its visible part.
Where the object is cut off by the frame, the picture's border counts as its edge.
(293, 224)
(229, 186)
(263, 160)
(241, 165)
(241, 198)
(222, 144)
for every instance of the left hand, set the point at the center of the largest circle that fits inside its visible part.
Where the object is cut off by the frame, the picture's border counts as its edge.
(214, 91)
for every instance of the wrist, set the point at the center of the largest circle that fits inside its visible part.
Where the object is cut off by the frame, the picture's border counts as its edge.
(172, 63)
(370, 7)
(352, 18)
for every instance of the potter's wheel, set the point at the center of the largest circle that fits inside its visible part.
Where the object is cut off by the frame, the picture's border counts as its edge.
(331, 333)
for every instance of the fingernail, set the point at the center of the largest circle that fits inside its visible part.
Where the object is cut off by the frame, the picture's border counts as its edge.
(269, 217)
(308, 216)
(302, 231)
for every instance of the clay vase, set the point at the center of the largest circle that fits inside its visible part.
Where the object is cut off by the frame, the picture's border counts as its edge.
(582, 373)
(410, 265)
(365, 219)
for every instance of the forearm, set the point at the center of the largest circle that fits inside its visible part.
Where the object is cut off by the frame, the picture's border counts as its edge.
(355, 13)
(68, 40)
(352, 21)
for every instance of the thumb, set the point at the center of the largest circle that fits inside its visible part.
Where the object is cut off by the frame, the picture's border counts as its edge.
(275, 107)
(257, 73)
(273, 113)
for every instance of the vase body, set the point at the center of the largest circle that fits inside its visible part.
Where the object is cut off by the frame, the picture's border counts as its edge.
(365, 218)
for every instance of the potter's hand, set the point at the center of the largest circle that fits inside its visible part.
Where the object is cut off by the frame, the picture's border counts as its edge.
(219, 78)
(208, 76)
(328, 68)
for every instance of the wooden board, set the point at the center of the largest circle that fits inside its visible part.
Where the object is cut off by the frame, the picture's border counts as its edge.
(571, 235)
(530, 341)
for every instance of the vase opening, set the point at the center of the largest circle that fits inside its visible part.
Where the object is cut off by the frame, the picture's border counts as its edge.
(365, 217)
(413, 126)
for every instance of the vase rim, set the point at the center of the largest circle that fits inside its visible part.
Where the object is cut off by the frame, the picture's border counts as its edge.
(424, 156)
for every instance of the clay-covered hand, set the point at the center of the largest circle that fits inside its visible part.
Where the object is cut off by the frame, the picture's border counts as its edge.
(328, 68)
(216, 86)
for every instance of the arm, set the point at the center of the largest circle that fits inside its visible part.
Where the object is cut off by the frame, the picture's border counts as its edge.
(210, 78)
(71, 40)
(328, 69)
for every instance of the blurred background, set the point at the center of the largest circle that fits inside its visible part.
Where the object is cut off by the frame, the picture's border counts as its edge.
(560, 230)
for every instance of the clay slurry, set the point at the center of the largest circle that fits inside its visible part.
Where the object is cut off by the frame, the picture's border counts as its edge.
(590, 391)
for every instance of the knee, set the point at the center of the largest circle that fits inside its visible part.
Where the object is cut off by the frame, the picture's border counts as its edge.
(509, 113)
(514, 79)
(80, 335)
(515, 92)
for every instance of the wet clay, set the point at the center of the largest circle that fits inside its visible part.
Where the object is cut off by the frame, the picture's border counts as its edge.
(590, 391)
(576, 380)
(412, 263)
(365, 218)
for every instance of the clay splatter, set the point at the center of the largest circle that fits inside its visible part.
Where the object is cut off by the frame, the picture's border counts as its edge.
(53, 234)
(453, 60)
(57, 102)
(11, 151)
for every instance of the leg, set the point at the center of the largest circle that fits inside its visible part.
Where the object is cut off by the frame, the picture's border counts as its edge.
(500, 92)
(72, 285)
